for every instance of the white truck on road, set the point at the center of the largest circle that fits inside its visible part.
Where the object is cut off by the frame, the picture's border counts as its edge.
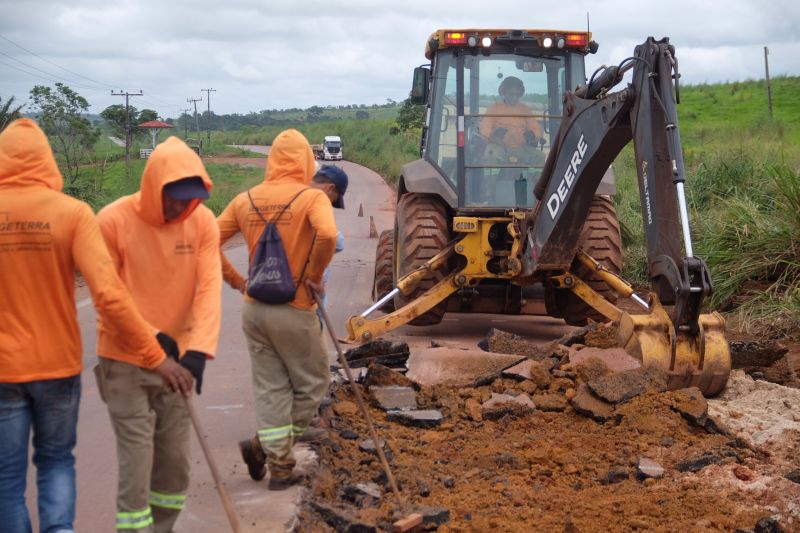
(332, 148)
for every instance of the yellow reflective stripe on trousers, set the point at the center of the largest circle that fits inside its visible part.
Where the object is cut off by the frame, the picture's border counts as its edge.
(168, 501)
(135, 519)
(277, 433)
(298, 431)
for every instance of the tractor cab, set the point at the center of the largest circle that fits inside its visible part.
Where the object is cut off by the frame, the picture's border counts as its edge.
(494, 100)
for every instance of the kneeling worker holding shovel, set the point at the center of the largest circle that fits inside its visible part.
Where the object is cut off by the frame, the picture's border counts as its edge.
(165, 245)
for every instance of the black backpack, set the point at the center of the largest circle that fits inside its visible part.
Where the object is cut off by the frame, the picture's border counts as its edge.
(270, 278)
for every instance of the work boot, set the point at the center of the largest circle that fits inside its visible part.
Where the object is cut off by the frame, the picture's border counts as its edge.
(254, 457)
(313, 434)
(283, 483)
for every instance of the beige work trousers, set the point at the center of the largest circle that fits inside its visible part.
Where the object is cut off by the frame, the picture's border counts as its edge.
(290, 376)
(151, 424)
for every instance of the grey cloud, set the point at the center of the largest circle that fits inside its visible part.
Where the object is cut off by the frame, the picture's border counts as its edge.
(264, 55)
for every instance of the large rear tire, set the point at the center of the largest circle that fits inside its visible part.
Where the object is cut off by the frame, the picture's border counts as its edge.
(601, 239)
(384, 272)
(422, 231)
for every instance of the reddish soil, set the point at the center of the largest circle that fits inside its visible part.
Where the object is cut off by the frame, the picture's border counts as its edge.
(551, 470)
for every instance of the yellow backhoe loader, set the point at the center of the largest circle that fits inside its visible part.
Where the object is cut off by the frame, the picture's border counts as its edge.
(509, 209)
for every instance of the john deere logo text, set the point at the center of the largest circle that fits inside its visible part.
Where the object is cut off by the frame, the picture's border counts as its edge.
(556, 199)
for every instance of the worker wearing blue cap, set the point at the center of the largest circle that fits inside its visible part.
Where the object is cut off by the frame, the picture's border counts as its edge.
(331, 180)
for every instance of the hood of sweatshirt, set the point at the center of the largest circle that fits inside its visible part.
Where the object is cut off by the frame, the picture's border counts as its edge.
(171, 161)
(290, 159)
(26, 158)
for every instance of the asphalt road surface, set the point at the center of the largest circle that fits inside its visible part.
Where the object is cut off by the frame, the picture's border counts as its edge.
(226, 405)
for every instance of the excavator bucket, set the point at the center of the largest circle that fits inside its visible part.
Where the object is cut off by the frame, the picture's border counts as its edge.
(702, 360)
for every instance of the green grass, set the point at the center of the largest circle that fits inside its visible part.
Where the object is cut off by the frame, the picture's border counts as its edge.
(743, 192)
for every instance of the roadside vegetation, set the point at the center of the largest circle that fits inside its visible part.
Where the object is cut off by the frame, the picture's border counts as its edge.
(742, 165)
(743, 187)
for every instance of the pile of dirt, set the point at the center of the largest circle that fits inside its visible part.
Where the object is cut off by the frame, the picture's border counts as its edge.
(559, 446)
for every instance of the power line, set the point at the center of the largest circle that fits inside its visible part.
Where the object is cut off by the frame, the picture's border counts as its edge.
(46, 78)
(107, 86)
(55, 78)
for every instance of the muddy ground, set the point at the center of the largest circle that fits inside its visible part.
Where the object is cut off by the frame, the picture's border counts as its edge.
(572, 447)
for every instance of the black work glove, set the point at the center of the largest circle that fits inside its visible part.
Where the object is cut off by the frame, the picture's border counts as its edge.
(530, 137)
(498, 134)
(168, 344)
(195, 362)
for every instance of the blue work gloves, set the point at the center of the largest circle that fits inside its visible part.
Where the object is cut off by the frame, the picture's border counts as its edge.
(530, 138)
(168, 344)
(195, 362)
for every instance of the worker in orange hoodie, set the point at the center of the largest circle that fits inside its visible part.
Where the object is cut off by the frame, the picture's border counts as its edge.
(289, 361)
(165, 245)
(44, 237)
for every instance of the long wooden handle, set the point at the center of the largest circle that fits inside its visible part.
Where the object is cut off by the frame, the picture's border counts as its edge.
(361, 405)
(226, 502)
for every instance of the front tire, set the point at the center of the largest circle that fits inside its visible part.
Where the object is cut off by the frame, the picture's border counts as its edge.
(383, 281)
(422, 231)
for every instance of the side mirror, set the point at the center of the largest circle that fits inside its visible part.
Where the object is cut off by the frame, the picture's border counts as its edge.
(419, 87)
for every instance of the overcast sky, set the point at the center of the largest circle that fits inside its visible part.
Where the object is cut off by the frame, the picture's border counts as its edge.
(278, 54)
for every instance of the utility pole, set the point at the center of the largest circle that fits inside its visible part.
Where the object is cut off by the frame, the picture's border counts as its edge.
(127, 96)
(208, 121)
(186, 123)
(196, 122)
(769, 87)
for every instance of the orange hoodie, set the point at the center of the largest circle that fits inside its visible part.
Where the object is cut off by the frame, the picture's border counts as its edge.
(514, 118)
(290, 167)
(44, 236)
(172, 270)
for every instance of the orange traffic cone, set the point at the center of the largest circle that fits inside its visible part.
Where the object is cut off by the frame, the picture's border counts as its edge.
(361, 210)
(373, 233)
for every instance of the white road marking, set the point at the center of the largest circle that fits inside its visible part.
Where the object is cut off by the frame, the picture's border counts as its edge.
(225, 407)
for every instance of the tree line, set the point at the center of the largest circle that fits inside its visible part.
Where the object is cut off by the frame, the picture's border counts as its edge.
(63, 114)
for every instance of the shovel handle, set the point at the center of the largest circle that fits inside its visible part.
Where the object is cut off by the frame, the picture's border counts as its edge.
(212, 465)
(359, 400)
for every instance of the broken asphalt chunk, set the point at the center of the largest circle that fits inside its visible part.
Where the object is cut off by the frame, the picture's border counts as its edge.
(691, 404)
(585, 403)
(341, 520)
(500, 405)
(695, 464)
(793, 476)
(499, 341)
(387, 353)
(393, 398)
(421, 418)
(756, 353)
(647, 468)
(381, 376)
(362, 493)
(617, 388)
(369, 446)
(615, 359)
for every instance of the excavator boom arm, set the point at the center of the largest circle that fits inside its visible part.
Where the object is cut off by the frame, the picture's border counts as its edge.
(595, 128)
